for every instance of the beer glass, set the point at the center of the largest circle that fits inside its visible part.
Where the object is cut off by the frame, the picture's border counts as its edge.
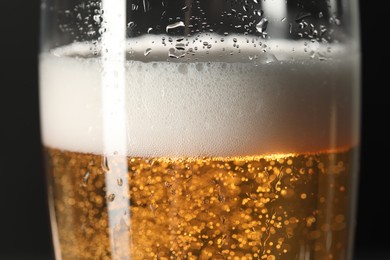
(196, 129)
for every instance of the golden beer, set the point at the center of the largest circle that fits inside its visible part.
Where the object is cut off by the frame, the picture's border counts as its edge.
(282, 206)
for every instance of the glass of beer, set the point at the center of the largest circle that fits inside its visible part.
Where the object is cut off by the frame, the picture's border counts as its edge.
(197, 129)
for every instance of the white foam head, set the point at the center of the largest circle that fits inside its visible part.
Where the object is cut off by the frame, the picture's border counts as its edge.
(244, 102)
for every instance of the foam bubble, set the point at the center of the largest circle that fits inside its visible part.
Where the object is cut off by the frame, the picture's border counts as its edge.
(226, 107)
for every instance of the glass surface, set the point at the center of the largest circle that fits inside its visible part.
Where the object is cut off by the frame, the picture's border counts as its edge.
(200, 129)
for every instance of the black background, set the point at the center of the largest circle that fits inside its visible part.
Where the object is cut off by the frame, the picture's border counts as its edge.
(24, 222)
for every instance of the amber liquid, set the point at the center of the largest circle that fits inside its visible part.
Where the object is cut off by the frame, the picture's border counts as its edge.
(261, 207)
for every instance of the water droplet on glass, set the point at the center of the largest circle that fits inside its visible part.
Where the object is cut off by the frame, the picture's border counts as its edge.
(283, 19)
(173, 53)
(97, 18)
(111, 197)
(271, 58)
(91, 33)
(252, 57)
(185, 9)
(320, 15)
(119, 182)
(262, 25)
(130, 25)
(86, 178)
(221, 198)
(105, 166)
(150, 29)
(314, 45)
(102, 30)
(180, 46)
(147, 51)
(174, 25)
(302, 15)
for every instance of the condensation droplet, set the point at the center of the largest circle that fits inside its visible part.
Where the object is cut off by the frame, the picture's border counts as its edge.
(262, 25)
(180, 46)
(97, 18)
(150, 29)
(153, 209)
(314, 45)
(86, 178)
(320, 15)
(130, 25)
(134, 7)
(302, 15)
(323, 29)
(283, 19)
(173, 53)
(185, 9)
(147, 51)
(174, 25)
(119, 182)
(105, 165)
(111, 197)
(271, 58)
